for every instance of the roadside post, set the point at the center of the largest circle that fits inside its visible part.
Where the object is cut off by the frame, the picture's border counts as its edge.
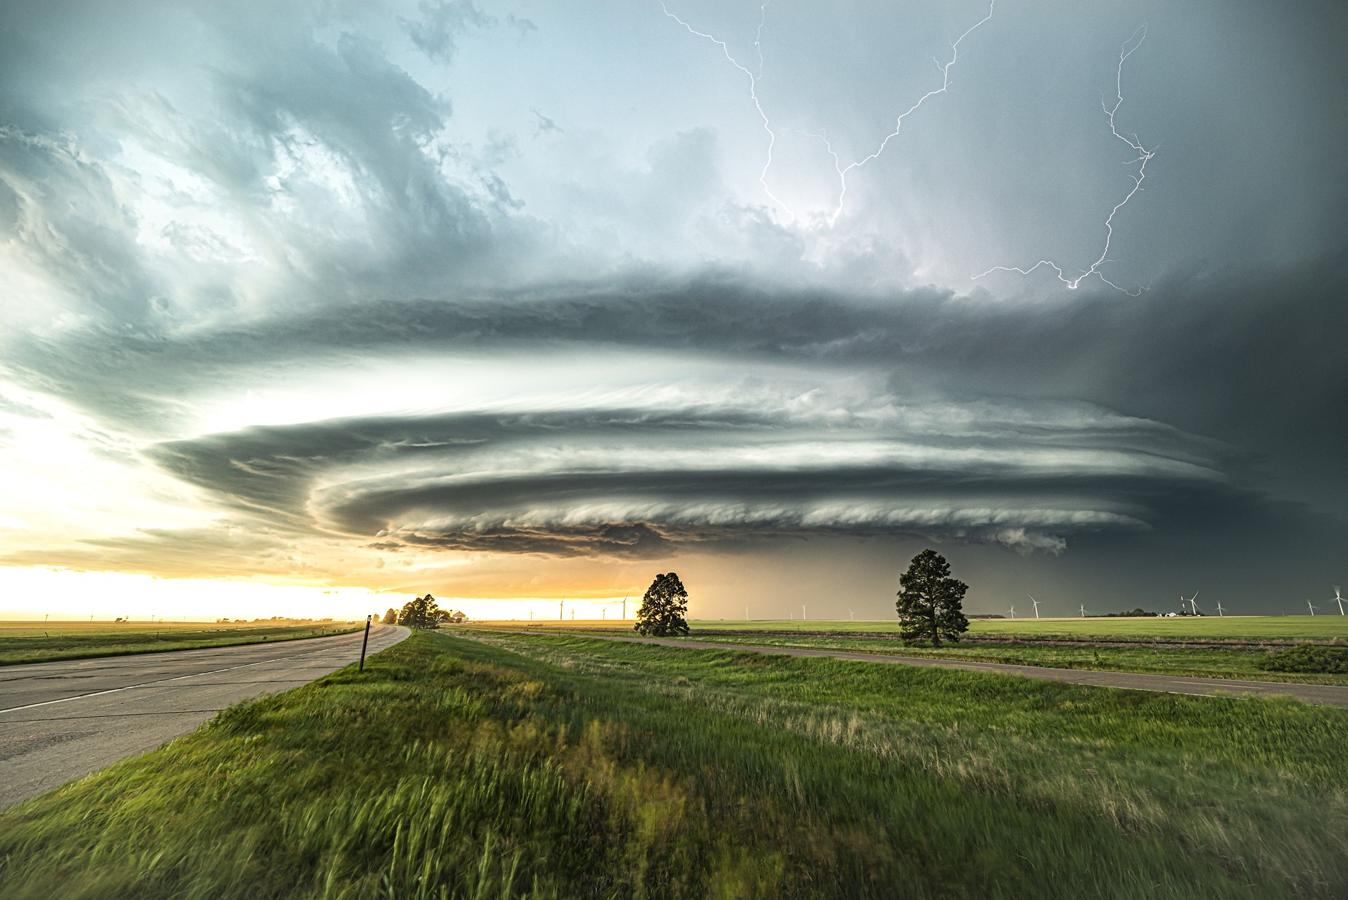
(365, 642)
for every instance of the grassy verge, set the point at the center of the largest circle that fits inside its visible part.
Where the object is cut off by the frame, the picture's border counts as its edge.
(559, 766)
(38, 642)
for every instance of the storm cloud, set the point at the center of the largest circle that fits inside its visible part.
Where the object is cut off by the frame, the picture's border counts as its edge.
(310, 291)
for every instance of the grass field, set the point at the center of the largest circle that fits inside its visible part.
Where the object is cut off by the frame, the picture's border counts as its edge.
(1333, 627)
(556, 766)
(1148, 645)
(1210, 662)
(26, 642)
(1276, 628)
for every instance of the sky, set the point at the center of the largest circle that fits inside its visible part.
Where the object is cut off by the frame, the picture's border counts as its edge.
(311, 307)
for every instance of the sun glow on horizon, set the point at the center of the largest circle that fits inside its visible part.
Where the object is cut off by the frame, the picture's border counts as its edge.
(35, 592)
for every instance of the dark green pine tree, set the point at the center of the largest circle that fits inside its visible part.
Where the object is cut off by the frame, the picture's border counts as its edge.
(663, 608)
(931, 603)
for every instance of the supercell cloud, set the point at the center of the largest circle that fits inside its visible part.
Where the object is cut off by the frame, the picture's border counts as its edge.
(490, 298)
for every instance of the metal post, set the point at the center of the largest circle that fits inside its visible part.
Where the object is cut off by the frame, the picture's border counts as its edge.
(365, 642)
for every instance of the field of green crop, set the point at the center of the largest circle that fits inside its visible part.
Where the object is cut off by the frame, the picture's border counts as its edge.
(559, 766)
(1185, 627)
(1148, 645)
(1158, 658)
(27, 642)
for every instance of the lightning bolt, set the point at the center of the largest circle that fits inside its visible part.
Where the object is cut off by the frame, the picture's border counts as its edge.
(898, 121)
(838, 167)
(752, 78)
(1139, 175)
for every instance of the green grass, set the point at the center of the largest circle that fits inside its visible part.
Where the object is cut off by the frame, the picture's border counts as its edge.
(1185, 627)
(1309, 658)
(1210, 662)
(1156, 646)
(29, 642)
(554, 765)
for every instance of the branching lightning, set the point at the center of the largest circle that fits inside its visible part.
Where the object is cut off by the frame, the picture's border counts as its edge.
(1142, 155)
(1139, 175)
(898, 121)
(752, 78)
(841, 170)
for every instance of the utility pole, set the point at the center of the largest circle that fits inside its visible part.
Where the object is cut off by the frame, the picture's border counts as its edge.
(365, 642)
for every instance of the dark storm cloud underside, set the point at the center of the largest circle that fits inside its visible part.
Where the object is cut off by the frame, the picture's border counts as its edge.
(1243, 355)
(1212, 356)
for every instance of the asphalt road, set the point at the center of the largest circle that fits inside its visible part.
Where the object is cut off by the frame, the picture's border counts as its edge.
(62, 720)
(1321, 694)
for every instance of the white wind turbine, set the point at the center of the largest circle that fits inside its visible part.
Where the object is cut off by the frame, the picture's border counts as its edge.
(1192, 601)
(851, 615)
(1338, 598)
(1220, 611)
(1311, 607)
(1036, 604)
(1083, 610)
(1013, 610)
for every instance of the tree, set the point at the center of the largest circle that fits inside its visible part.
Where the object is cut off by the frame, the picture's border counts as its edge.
(422, 612)
(391, 617)
(662, 607)
(931, 603)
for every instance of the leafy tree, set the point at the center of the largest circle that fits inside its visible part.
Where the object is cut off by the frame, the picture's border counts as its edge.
(931, 603)
(422, 612)
(663, 607)
(391, 617)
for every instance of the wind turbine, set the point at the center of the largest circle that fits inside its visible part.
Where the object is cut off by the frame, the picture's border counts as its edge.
(851, 615)
(802, 612)
(1193, 605)
(1013, 610)
(1083, 610)
(1311, 607)
(1036, 604)
(1338, 597)
(1220, 612)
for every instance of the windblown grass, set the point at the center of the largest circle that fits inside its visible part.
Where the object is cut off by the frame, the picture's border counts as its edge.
(559, 766)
